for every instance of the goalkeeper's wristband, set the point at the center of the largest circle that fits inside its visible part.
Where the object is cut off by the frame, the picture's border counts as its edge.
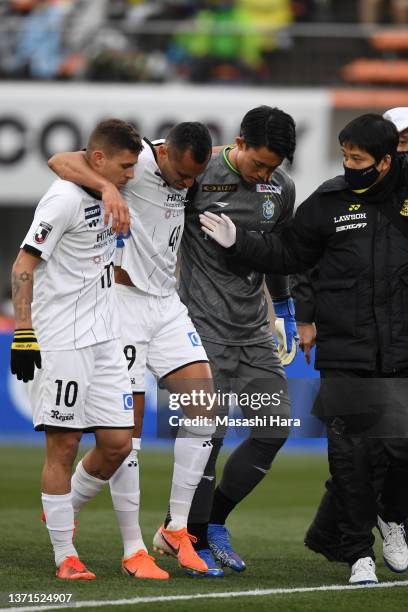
(25, 354)
(284, 308)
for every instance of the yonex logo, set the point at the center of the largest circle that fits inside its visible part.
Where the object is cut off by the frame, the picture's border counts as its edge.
(127, 401)
(194, 338)
(404, 209)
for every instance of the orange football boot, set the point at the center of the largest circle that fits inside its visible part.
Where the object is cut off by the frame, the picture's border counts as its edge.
(142, 565)
(73, 569)
(179, 544)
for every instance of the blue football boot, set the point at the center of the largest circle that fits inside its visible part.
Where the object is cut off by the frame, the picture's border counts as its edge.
(220, 544)
(213, 570)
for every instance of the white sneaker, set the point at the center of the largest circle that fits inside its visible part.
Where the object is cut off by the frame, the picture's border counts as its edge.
(363, 572)
(395, 549)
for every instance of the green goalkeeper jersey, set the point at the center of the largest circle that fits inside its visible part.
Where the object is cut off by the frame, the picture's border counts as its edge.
(225, 298)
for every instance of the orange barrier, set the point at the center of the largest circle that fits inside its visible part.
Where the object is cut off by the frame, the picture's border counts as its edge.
(390, 40)
(376, 71)
(368, 98)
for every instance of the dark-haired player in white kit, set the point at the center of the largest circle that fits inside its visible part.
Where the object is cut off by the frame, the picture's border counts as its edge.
(156, 329)
(227, 304)
(77, 368)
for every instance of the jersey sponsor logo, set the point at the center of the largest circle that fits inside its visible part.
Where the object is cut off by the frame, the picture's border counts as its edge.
(404, 209)
(352, 226)
(268, 188)
(175, 197)
(62, 416)
(171, 214)
(354, 207)
(105, 234)
(127, 401)
(227, 187)
(194, 338)
(268, 208)
(353, 217)
(92, 215)
(98, 259)
(42, 232)
(176, 205)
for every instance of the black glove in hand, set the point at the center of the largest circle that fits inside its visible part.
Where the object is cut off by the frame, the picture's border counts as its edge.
(25, 354)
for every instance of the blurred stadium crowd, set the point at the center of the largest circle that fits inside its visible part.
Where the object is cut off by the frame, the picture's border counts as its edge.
(279, 42)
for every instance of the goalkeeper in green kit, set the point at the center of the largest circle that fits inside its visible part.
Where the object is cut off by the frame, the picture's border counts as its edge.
(228, 306)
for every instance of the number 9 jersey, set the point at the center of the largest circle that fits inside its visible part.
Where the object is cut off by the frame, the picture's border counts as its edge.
(149, 252)
(74, 299)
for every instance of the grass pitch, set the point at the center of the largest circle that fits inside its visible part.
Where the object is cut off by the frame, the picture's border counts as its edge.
(267, 528)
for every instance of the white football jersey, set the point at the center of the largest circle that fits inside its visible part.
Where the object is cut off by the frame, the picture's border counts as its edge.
(74, 299)
(149, 252)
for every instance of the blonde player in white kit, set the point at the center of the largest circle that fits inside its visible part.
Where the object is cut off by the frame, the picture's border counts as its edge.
(80, 382)
(156, 329)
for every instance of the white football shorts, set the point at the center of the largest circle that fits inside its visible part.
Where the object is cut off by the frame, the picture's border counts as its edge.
(83, 389)
(156, 333)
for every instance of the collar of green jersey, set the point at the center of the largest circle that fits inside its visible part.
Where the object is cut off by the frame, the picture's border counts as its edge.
(225, 152)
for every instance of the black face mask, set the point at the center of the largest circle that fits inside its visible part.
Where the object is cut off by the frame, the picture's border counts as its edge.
(362, 178)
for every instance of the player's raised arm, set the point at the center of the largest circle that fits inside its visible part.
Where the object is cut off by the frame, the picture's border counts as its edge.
(74, 167)
(25, 352)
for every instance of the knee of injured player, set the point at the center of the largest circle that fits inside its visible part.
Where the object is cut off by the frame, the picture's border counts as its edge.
(62, 446)
(114, 446)
(191, 391)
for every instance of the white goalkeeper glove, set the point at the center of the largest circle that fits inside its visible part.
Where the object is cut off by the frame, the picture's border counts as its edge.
(219, 228)
(285, 356)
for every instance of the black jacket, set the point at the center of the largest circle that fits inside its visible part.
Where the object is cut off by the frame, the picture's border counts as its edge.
(362, 290)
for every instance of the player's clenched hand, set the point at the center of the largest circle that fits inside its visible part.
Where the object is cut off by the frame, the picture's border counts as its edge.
(25, 354)
(220, 228)
(115, 205)
(307, 338)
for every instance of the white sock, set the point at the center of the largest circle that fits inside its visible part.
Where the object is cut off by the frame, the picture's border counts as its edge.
(125, 492)
(59, 516)
(190, 458)
(84, 487)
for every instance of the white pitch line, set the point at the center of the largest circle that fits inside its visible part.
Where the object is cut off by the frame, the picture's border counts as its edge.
(257, 593)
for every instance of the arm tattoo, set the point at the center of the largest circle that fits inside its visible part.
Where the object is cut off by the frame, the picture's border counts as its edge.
(22, 294)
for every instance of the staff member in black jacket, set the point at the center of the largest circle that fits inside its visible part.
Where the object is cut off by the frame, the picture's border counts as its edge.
(353, 227)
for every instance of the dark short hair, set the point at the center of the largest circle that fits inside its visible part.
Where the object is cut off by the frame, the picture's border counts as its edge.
(114, 135)
(371, 133)
(272, 128)
(193, 136)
